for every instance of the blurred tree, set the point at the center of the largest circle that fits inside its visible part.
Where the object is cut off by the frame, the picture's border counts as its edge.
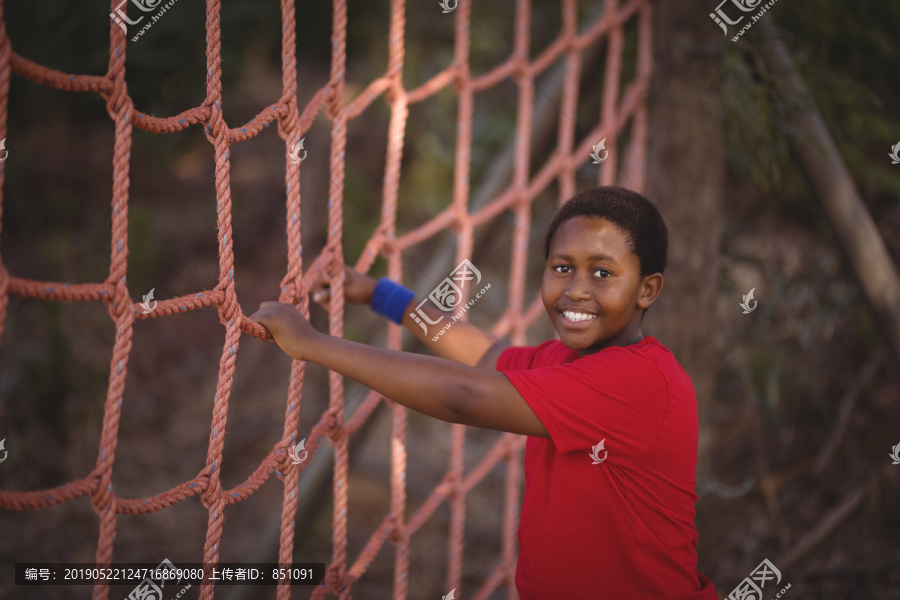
(686, 175)
(855, 232)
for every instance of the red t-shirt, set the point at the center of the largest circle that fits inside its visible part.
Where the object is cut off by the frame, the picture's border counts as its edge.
(622, 528)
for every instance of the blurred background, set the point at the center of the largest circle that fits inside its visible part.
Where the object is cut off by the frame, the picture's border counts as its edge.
(799, 401)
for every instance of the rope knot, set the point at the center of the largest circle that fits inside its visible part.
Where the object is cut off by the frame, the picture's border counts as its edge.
(208, 497)
(332, 422)
(102, 497)
(291, 291)
(452, 482)
(118, 301)
(200, 484)
(4, 281)
(288, 117)
(398, 529)
(329, 263)
(333, 106)
(230, 309)
(334, 576)
(117, 99)
(215, 123)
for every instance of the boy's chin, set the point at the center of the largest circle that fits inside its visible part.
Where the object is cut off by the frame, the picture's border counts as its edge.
(580, 342)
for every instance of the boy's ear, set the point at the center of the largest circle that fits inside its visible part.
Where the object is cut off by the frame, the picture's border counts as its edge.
(650, 288)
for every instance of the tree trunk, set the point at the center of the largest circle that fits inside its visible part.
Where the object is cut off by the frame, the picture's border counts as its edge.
(686, 175)
(842, 204)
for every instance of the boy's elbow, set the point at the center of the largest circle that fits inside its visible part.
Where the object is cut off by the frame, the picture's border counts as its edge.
(466, 402)
(459, 404)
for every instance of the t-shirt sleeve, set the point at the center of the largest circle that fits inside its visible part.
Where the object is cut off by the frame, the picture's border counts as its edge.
(516, 357)
(530, 357)
(615, 395)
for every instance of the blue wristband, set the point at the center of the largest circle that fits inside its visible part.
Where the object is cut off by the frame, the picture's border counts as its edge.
(390, 299)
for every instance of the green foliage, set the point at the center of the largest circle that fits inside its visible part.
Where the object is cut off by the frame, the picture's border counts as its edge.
(846, 53)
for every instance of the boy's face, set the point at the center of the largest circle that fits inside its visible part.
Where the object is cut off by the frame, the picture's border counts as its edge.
(592, 286)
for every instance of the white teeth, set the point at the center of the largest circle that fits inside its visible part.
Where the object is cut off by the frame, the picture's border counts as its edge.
(574, 316)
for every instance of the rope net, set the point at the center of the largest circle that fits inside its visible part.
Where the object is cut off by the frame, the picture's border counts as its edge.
(620, 107)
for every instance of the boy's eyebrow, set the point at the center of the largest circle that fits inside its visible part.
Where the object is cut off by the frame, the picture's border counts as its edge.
(605, 257)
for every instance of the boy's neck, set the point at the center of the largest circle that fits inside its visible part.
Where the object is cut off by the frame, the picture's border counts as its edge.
(622, 339)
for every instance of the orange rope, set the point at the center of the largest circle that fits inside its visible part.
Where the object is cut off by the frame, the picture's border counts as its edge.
(616, 114)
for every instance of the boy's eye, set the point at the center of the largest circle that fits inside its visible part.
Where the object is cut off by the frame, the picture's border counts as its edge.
(565, 269)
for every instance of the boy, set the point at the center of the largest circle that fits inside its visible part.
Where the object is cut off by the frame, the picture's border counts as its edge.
(599, 520)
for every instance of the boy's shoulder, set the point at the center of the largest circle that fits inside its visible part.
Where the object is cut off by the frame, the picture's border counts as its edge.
(662, 359)
(649, 351)
(645, 357)
(645, 364)
(549, 353)
(554, 352)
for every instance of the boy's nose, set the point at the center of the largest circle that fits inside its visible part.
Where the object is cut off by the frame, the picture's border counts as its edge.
(578, 291)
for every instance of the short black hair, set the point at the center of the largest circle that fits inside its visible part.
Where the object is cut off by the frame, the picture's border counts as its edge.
(628, 210)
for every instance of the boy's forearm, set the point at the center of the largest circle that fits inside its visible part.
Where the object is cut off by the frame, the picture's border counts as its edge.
(426, 384)
(462, 342)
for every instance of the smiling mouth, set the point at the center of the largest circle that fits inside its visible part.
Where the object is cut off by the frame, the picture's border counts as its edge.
(577, 317)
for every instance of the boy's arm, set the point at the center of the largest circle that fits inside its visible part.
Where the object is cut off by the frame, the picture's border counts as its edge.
(462, 342)
(444, 389)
